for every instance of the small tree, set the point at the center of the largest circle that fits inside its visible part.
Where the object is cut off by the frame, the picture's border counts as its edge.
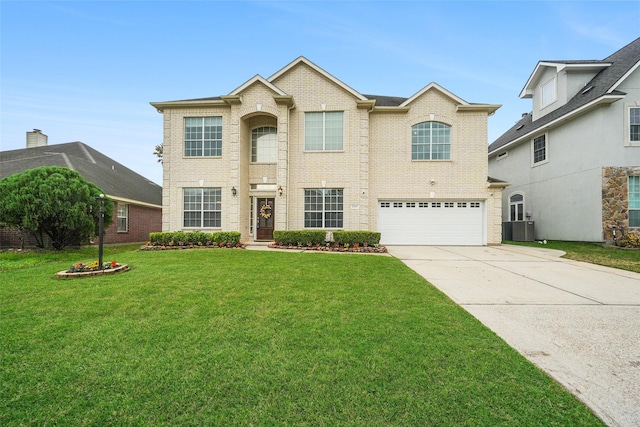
(159, 152)
(53, 201)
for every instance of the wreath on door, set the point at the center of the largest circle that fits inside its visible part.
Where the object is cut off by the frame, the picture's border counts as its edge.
(265, 211)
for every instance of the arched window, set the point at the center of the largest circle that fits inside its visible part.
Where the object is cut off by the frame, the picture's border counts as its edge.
(264, 145)
(516, 207)
(431, 141)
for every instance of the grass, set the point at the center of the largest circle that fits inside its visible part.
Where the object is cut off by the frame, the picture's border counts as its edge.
(234, 337)
(594, 253)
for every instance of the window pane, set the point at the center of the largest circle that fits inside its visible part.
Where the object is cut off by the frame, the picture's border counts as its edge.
(323, 208)
(202, 136)
(264, 145)
(431, 141)
(634, 122)
(202, 207)
(548, 92)
(313, 134)
(313, 220)
(634, 192)
(333, 131)
(539, 149)
(123, 217)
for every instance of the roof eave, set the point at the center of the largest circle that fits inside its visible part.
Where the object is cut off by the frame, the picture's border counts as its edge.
(603, 100)
(482, 108)
(161, 106)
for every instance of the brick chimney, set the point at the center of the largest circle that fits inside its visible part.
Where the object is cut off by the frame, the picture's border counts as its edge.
(36, 139)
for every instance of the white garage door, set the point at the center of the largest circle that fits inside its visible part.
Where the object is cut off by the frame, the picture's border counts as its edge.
(431, 223)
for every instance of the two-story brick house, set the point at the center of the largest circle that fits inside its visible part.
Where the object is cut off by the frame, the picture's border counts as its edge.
(302, 150)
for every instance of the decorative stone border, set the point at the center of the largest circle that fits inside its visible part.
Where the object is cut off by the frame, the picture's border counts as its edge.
(66, 275)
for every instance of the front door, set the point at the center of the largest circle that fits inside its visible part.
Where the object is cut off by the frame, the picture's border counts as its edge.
(264, 220)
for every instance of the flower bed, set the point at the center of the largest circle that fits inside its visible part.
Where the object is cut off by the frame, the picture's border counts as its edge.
(155, 246)
(332, 247)
(81, 270)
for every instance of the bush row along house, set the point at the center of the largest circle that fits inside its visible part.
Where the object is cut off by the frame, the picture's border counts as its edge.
(574, 161)
(303, 150)
(137, 201)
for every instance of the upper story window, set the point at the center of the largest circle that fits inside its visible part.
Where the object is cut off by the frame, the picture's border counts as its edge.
(264, 145)
(203, 136)
(634, 124)
(323, 208)
(539, 149)
(202, 207)
(634, 201)
(431, 141)
(123, 217)
(323, 131)
(548, 93)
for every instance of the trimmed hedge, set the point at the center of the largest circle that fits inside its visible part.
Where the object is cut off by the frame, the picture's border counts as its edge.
(360, 237)
(315, 237)
(199, 238)
(300, 237)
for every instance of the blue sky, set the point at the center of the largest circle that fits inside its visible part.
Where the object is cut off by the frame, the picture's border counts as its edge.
(86, 71)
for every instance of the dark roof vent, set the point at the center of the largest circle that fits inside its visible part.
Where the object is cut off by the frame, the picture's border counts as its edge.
(519, 127)
(587, 90)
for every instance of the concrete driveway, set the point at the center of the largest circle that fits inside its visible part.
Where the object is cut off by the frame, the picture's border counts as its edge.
(578, 322)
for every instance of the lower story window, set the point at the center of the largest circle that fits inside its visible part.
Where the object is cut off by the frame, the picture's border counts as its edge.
(634, 201)
(123, 217)
(323, 208)
(202, 207)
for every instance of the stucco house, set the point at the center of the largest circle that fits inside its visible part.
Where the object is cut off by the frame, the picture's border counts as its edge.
(303, 150)
(574, 161)
(137, 209)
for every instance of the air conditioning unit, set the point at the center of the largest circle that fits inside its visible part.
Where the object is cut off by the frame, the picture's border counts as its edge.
(523, 231)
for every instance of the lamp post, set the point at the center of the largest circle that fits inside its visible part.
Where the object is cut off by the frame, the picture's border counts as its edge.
(100, 231)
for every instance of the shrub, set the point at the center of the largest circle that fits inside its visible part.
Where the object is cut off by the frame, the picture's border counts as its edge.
(629, 240)
(198, 238)
(300, 237)
(359, 237)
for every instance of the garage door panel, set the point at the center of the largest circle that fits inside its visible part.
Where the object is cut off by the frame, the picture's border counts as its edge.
(431, 223)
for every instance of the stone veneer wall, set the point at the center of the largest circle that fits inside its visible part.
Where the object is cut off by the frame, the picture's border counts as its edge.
(615, 200)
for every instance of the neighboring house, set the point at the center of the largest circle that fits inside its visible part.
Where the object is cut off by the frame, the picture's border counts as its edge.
(574, 162)
(302, 150)
(137, 209)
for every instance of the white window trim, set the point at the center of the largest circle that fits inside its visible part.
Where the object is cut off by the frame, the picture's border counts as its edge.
(324, 128)
(184, 124)
(554, 95)
(251, 147)
(126, 217)
(324, 210)
(546, 151)
(523, 203)
(201, 210)
(627, 126)
(431, 159)
(629, 200)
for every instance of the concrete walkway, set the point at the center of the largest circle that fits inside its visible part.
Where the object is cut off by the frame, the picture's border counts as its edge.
(578, 322)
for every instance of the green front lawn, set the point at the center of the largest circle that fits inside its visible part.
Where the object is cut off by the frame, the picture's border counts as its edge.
(236, 337)
(595, 253)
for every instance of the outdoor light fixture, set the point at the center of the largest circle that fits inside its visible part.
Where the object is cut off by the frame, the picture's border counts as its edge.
(234, 191)
(280, 191)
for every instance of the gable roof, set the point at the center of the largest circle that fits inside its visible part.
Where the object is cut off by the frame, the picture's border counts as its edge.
(303, 60)
(257, 79)
(116, 180)
(374, 102)
(600, 90)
